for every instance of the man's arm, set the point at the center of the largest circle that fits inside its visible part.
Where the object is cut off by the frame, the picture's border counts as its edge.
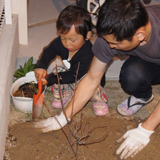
(136, 139)
(87, 86)
(153, 120)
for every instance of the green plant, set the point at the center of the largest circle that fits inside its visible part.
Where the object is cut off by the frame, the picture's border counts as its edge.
(22, 71)
(28, 115)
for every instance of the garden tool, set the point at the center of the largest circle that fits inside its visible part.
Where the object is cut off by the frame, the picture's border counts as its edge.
(37, 103)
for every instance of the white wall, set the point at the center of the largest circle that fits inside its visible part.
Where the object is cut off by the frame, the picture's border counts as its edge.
(1, 7)
(8, 52)
(20, 7)
(8, 14)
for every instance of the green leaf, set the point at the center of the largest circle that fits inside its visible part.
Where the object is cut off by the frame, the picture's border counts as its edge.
(21, 73)
(31, 67)
(27, 65)
(17, 75)
(30, 61)
(19, 70)
(25, 68)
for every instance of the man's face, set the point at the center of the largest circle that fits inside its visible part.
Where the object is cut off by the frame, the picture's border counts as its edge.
(124, 45)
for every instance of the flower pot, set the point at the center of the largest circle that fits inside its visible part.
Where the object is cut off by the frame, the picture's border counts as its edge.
(23, 104)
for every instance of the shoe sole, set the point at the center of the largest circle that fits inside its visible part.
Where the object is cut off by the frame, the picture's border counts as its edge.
(98, 115)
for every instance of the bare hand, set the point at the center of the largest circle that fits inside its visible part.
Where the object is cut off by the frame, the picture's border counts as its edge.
(40, 75)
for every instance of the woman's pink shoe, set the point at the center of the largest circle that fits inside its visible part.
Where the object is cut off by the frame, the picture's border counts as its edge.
(100, 108)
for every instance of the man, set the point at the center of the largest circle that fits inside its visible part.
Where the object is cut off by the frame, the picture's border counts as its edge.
(124, 27)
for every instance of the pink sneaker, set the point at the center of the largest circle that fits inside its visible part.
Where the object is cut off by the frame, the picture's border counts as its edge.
(100, 108)
(57, 103)
(67, 94)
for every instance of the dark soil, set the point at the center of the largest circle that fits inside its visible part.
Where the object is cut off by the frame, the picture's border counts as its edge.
(27, 90)
(24, 142)
(31, 144)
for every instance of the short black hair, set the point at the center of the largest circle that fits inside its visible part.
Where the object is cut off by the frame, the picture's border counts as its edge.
(77, 16)
(122, 18)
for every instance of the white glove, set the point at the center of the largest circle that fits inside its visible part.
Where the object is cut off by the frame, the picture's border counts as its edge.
(135, 140)
(51, 123)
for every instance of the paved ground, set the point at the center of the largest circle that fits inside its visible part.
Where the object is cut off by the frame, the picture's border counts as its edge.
(115, 96)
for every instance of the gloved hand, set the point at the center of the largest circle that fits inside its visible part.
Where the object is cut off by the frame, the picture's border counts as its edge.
(51, 123)
(135, 140)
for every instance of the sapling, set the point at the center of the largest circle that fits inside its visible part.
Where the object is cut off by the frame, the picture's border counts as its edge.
(73, 133)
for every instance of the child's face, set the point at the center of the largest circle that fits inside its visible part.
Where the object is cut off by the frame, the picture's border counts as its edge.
(72, 40)
(124, 45)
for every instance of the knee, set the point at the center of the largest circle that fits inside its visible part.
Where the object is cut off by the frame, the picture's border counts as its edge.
(131, 79)
(126, 77)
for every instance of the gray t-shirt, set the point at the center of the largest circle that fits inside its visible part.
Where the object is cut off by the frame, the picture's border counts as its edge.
(149, 52)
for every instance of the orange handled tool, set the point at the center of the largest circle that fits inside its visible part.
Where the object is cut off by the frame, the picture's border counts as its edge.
(36, 96)
(37, 103)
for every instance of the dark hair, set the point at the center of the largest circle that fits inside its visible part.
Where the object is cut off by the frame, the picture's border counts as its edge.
(77, 16)
(121, 18)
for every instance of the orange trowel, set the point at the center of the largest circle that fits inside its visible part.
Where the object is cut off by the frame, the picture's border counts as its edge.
(37, 103)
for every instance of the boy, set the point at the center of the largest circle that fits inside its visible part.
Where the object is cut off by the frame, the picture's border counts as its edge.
(74, 48)
(124, 27)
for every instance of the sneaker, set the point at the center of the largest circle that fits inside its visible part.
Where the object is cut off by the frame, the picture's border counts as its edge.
(67, 94)
(57, 103)
(132, 105)
(100, 108)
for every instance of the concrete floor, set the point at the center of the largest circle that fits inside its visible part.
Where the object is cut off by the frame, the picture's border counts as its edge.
(42, 15)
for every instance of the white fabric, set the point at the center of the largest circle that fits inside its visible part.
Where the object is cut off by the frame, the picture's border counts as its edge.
(67, 64)
(51, 123)
(135, 140)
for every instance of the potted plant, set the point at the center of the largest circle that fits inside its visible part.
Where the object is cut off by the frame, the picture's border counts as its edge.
(23, 75)
(22, 71)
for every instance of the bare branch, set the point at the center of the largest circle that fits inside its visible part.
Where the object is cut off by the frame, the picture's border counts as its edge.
(78, 140)
(94, 141)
